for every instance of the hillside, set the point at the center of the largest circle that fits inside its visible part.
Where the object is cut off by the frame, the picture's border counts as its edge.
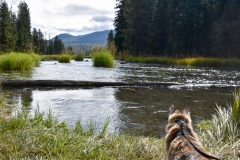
(95, 38)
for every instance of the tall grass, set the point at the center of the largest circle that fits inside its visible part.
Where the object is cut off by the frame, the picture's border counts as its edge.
(236, 107)
(79, 57)
(19, 61)
(39, 137)
(5, 107)
(199, 62)
(222, 135)
(103, 58)
(64, 58)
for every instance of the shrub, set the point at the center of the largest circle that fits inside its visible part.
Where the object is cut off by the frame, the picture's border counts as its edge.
(79, 57)
(104, 58)
(236, 107)
(65, 58)
(222, 133)
(19, 61)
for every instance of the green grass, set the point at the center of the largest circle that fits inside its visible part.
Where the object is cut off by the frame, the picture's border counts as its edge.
(19, 61)
(236, 108)
(79, 57)
(198, 62)
(222, 134)
(30, 137)
(64, 58)
(103, 58)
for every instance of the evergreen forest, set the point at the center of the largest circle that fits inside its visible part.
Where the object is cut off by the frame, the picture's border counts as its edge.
(16, 34)
(178, 28)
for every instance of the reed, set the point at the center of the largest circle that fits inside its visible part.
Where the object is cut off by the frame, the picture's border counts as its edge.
(19, 61)
(79, 57)
(64, 58)
(236, 107)
(222, 133)
(222, 138)
(103, 58)
(198, 62)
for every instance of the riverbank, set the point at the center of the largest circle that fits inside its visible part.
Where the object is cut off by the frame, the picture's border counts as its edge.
(197, 62)
(23, 136)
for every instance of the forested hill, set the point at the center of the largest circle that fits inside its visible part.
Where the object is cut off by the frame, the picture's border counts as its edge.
(95, 38)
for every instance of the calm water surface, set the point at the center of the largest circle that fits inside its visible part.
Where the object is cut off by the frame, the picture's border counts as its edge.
(143, 111)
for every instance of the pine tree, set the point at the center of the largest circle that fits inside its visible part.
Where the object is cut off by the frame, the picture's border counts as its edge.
(24, 42)
(56, 45)
(60, 46)
(14, 29)
(6, 30)
(120, 25)
(137, 14)
(159, 30)
(35, 40)
(50, 47)
(42, 42)
(110, 38)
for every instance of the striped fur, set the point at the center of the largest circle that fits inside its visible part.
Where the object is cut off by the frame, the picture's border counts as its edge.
(179, 147)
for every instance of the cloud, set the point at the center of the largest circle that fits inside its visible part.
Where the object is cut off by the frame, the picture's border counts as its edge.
(84, 30)
(102, 19)
(71, 16)
(76, 10)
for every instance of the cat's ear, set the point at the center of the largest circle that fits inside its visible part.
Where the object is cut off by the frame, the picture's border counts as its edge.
(187, 110)
(172, 109)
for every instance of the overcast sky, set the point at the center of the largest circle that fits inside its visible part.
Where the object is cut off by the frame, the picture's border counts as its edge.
(77, 17)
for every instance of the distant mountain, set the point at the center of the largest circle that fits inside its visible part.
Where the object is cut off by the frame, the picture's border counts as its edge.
(95, 38)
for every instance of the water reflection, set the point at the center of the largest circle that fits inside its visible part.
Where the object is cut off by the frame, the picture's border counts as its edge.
(16, 74)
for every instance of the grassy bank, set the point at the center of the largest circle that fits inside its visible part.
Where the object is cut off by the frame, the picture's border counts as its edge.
(198, 62)
(41, 136)
(19, 61)
(45, 138)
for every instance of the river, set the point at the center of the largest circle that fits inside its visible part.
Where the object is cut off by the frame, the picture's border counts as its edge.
(137, 111)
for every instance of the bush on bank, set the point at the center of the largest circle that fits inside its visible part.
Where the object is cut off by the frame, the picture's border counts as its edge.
(19, 61)
(103, 58)
(79, 57)
(64, 58)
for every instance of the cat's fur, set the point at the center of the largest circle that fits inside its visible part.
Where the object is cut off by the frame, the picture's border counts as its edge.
(181, 147)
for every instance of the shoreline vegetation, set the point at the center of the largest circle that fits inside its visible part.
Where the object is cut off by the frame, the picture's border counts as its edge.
(197, 62)
(41, 136)
(19, 61)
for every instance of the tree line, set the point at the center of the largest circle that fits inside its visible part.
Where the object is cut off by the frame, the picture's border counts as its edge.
(209, 28)
(16, 33)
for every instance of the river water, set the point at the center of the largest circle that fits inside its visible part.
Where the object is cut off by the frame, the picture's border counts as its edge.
(139, 110)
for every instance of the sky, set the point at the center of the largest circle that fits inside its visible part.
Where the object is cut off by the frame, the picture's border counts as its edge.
(76, 17)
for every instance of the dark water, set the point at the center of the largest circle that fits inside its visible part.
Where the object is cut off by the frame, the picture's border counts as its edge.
(143, 111)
